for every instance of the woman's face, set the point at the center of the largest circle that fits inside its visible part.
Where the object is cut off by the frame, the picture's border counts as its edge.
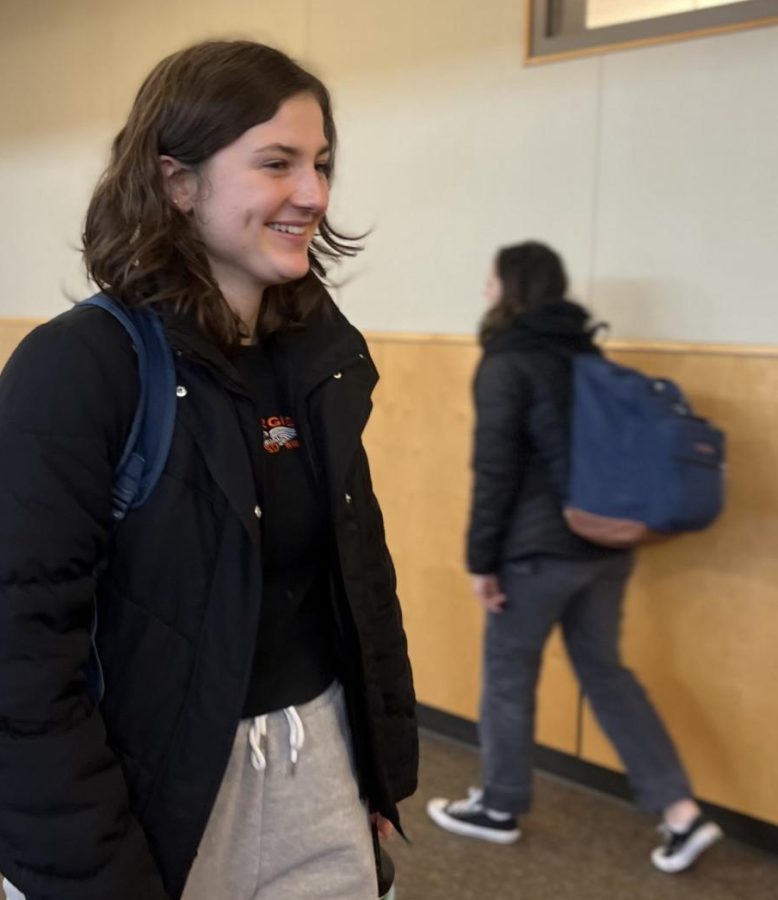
(492, 288)
(260, 199)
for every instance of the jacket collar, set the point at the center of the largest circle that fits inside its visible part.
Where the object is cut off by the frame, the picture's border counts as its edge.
(325, 345)
(187, 339)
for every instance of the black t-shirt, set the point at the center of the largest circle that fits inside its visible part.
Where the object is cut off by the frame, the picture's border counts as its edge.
(294, 660)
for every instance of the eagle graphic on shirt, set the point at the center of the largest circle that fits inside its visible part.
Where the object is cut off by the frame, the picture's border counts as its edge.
(279, 433)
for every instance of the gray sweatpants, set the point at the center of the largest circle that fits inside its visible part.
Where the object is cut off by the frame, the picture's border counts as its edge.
(283, 829)
(585, 596)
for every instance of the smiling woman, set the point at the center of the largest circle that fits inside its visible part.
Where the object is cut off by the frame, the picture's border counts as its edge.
(258, 202)
(209, 142)
(257, 717)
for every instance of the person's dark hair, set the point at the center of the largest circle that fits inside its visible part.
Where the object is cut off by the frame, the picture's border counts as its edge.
(531, 273)
(137, 246)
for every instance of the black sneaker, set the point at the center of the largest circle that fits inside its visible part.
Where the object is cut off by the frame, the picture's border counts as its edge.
(472, 819)
(682, 849)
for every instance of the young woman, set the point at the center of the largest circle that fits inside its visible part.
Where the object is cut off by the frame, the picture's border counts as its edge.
(529, 571)
(258, 707)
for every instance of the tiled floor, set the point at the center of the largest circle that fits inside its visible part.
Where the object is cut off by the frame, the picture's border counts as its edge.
(577, 845)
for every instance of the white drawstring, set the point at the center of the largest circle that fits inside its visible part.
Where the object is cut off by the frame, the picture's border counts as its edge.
(296, 733)
(257, 732)
(258, 735)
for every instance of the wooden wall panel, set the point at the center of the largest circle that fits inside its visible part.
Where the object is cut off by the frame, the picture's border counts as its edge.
(419, 441)
(419, 464)
(701, 624)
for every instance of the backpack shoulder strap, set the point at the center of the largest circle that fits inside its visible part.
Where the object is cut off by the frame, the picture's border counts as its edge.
(151, 433)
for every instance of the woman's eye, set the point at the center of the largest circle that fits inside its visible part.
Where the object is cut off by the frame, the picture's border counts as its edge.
(325, 169)
(279, 165)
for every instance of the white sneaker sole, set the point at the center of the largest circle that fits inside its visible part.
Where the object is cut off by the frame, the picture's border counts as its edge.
(697, 844)
(436, 812)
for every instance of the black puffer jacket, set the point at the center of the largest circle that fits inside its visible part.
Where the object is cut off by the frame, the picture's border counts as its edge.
(522, 396)
(110, 803)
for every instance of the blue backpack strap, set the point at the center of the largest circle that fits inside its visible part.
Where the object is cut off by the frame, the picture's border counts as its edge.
(151, 433)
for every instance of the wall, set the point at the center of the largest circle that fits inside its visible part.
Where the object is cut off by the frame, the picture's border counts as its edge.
(651, 170)
(701, 624)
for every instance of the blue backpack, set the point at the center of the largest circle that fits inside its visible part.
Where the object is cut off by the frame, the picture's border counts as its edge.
(151, 433)
(642, 464)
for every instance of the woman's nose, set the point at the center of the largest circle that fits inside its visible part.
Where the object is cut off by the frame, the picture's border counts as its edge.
(312, 191)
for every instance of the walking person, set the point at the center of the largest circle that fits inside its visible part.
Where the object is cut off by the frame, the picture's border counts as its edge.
(530, 572)
(257, 707)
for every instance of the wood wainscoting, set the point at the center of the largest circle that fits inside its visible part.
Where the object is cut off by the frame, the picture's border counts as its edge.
(701, 626)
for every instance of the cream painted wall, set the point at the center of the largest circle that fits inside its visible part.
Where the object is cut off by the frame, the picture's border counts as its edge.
(651, 170)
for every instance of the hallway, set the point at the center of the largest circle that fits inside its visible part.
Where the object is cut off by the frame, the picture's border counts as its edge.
(577, 845)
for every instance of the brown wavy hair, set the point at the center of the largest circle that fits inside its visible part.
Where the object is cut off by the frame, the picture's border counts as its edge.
(138, 247)
(531, 273)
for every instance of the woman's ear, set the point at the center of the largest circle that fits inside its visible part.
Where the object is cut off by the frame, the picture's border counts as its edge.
(180, 183)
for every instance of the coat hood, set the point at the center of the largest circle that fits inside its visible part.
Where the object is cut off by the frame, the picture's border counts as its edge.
(559, 326)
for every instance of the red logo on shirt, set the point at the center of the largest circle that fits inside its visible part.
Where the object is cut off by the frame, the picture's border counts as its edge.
(279, 432)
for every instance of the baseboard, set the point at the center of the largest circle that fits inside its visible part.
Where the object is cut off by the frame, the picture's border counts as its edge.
(747, 829)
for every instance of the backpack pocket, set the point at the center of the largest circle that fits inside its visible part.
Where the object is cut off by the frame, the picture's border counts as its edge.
(693, 492)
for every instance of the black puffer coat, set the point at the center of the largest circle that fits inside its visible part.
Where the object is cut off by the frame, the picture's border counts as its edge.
(110, 803)
(522, 393)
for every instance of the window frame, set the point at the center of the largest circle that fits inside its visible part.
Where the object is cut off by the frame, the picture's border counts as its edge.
(577, 41)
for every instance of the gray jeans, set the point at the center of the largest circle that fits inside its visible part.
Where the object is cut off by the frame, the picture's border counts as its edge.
(585, 597)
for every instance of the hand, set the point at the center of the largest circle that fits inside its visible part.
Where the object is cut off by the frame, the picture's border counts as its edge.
(383, 826)
(488, 592)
